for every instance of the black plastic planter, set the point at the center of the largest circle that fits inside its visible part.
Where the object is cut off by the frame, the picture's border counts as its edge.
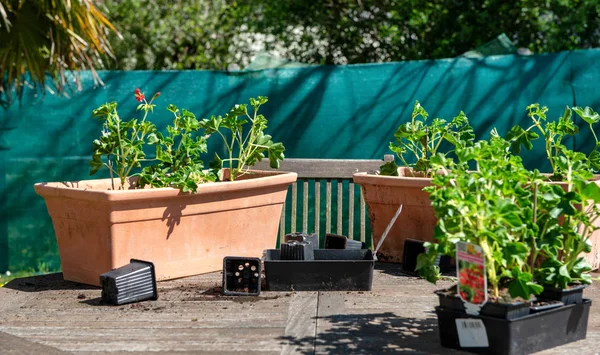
(303, 237)
(332, 270)
(293, 250)
(241, 276)
(536, 307)
(335, 241)
(490, 309)
(524, 335)
(567, 296)
(133, 282)
(412, 249)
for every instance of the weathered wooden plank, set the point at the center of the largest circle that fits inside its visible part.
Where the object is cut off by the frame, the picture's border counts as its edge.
(188, 352)
(325, 168)
(294, 207)
(340, 207)
(233, 342)
(302, 322)
(305, 207)
(14, 345)
(12, 299)
(351, 210)
(282, 224)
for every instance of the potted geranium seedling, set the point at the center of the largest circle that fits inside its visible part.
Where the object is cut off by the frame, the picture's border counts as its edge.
(510, 219)
(416, 142)
(563, 173)
(169, 209)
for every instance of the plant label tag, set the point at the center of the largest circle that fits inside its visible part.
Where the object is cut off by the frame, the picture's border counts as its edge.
(471, 333)
(472, 278)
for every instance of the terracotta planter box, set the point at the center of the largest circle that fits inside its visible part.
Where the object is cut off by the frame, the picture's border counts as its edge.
(98, 229)
(383, 195)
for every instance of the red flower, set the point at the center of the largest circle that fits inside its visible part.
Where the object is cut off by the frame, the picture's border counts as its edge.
(139, 95)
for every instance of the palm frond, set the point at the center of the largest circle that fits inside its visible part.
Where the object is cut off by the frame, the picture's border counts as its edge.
(43, 40)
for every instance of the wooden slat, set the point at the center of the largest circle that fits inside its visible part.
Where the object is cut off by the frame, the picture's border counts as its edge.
(363, 233)
(302, 323)
(351, 210)
(328, 208)
(305, 207)
(317, 206)
(326, 168)
(340, 206)
(282, 224)
(294, 207)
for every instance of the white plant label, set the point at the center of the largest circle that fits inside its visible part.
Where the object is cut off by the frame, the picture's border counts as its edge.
(472, 277)
(471, 333)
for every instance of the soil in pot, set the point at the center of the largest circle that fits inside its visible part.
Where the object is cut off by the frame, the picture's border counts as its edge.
(544, 305)
(503, 307)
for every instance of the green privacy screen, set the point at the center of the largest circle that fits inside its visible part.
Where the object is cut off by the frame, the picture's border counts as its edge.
(317, 112)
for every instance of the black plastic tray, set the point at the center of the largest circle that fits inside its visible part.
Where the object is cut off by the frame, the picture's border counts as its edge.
(525, 335)
(332, 270)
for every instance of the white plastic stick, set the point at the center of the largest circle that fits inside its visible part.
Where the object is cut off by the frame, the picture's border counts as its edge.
(387, 230)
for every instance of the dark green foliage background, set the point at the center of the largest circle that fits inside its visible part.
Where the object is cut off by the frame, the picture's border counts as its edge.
(215, 34)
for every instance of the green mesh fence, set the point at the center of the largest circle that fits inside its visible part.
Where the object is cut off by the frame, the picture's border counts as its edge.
(318, 112)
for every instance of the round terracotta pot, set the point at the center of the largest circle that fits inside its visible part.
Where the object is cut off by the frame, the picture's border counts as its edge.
(99, 229)
(383, 195)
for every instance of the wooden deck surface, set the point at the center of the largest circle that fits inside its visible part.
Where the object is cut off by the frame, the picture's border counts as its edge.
(46, 315)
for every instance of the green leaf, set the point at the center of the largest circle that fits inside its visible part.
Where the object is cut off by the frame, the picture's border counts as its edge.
(275, 153)
(587, 114)
(518, 137)
(389, 169)
(95, 164)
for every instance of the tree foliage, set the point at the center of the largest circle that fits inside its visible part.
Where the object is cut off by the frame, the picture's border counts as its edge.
(218, 34)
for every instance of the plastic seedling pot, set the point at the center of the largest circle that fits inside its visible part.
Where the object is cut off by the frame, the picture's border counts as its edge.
(412, 249)
(133, 282)
(241, 276)
(490, 309)
(336, 241)
(297, 251)
(544, 305)
(303, 237)
(331, 270)
(525, 335)
(567, 296)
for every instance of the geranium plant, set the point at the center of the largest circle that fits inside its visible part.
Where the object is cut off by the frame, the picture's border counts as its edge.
(532, 231)
(250, 146)
(553, 133)
(419, 139)
(178, 162)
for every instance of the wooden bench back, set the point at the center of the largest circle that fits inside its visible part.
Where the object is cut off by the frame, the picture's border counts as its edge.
(312, 173)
